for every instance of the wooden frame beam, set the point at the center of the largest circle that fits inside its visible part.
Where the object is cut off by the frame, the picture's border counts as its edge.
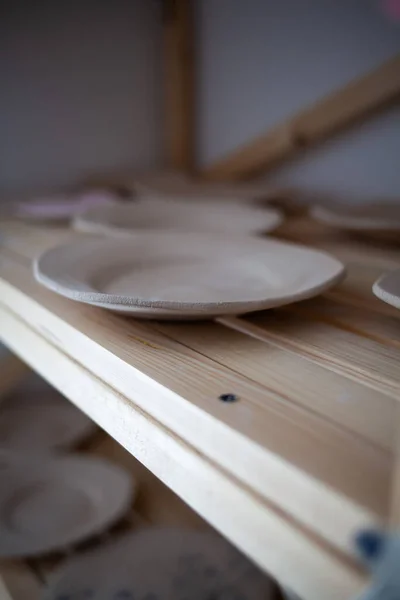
(355, 101)
(179, 84)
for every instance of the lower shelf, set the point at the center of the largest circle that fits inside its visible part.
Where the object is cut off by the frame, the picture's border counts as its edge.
(156, 505)
(275, 543)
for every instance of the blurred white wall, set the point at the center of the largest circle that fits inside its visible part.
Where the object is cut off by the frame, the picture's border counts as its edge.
(263, 60)
(79, 88)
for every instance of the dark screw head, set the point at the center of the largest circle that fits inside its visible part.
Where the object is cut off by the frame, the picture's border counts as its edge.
(228, 397)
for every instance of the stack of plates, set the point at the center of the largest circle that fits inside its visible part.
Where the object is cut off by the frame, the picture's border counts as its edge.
(50, 501)
(180, 275)
(167, 564)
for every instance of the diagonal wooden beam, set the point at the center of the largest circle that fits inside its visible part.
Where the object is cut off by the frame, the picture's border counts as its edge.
(357, 100)
(179, 83)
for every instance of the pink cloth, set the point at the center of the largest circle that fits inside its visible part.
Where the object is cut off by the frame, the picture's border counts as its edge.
(63, 207)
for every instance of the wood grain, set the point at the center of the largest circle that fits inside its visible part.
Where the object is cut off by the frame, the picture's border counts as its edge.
(303, 563)
(253, 352)
(143, 365)
(357, 100)
(373, 364)
(305, 456)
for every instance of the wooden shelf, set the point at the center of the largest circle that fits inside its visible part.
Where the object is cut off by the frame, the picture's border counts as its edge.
(293, 468)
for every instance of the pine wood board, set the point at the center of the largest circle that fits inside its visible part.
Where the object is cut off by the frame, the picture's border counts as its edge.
(295, 557)
(371, 363)
(263, 429)
(252, 352)
(312, 435)
(384, 329)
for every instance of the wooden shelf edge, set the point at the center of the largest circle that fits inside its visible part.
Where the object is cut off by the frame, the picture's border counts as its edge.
(275, 479)
(288, 553)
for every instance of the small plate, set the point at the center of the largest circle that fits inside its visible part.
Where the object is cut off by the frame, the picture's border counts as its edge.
(186, 275)
(185, 215)
(41, 421)
(379, 217)
(167, 564)
(49, 503)
(387, 288)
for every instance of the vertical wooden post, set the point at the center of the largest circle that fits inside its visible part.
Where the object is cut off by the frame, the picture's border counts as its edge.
(179, 84)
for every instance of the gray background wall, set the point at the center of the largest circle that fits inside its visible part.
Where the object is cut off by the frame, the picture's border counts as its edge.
(263, 60)
(81, 86)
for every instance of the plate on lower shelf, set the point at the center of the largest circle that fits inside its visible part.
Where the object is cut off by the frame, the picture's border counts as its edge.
(387, 288)
(185, 215)
(173, 275)
(378, 217)
(40, 421)
(167, 564)
(49, 503)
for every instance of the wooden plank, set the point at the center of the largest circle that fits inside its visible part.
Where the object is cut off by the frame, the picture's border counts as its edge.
(351, 406)
(295, 457)
(179, 83)
(157, 504)
(374, 365)
(301, 562)
(357, 100)
(381, 328)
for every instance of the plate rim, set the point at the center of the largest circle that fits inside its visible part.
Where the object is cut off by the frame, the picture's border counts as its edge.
(382, 294)
(108, 300)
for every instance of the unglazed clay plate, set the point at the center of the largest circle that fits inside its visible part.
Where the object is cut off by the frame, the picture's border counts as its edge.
(387, 288)
(49, 503)
(162, 564)
(369, 217)
(175, 275)
(183, 215)
(41, 421)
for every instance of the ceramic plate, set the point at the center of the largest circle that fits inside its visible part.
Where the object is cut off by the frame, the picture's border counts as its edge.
(372, 217)
(188, 274)
(41, 421)
(162, 564)
(49, 503)
(387, 288)
(186, 215)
